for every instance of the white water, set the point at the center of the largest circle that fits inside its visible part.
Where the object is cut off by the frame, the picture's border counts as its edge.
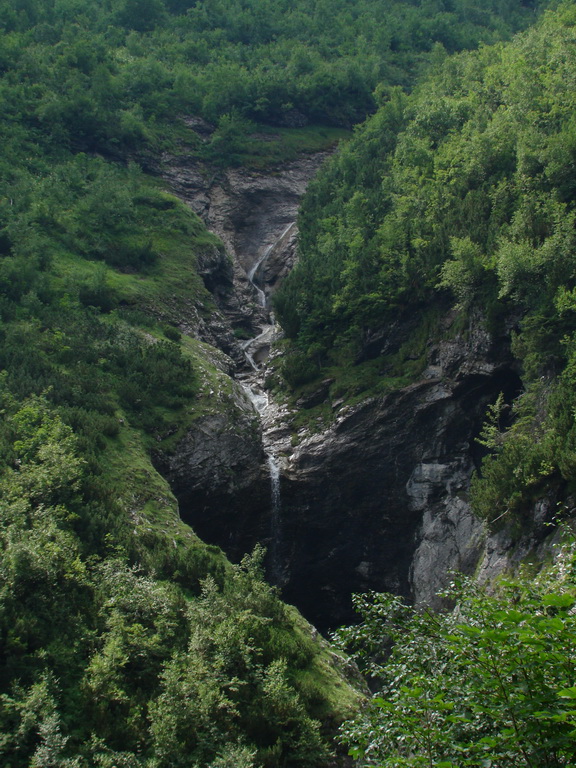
(258, 263)
(275, 521)
(267, 329)
(259, 399)
(252, 385)
(247, 344)
(252, 271)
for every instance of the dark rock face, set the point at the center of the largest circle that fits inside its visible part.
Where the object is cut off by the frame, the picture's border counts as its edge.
(376, 502)
(218, 475)
(219, 471)
(379, 500)
(254, 214)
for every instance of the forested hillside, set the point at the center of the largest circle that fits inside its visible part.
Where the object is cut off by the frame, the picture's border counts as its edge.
(458, 200)
(462, 192)
(101, 76)
(125, 640)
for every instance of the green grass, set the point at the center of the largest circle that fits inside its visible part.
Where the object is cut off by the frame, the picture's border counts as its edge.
(160, 540)
(265, 148)
(168, 290)
(325, 681)
(353, 382)
(273, 146)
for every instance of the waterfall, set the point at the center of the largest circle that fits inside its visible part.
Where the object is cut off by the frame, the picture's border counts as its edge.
(253, 342)
(276, 574)
(253, 386)
(259, 400)
(251, 273)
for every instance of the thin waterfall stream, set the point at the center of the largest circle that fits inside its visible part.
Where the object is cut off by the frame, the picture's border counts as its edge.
(253, 385)
(260, 401)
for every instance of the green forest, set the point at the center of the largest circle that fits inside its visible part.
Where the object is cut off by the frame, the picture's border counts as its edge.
(460, 192)
(126, 641)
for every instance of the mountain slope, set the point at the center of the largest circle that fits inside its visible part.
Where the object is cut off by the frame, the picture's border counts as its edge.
(125, 639)
(463, 189)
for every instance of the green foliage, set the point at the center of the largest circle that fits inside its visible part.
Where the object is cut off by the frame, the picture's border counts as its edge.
(111, 651)
(536, 451)
(298, 368)
(104, 663)
(463, 273)
(248, 692)
(448, 188)
(230, 139)
(489, 684)
(108, 77)
(460, 188)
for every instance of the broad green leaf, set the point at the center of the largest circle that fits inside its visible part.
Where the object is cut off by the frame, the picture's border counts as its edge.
(568, 693)
(555, 600)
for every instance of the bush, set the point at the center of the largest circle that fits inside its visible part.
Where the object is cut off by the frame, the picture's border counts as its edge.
(297, 369)
(171, 333)
(488, 685)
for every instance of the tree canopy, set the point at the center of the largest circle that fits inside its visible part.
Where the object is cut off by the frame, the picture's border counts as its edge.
(124, 640)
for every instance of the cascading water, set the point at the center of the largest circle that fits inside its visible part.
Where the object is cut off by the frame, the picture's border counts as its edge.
(251, 274)
(259, 400)
(253, 343)
(276, 573)
(253, 386)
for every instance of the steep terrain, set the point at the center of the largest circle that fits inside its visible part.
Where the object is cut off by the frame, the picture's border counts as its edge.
(151, 409)
(412, 208)
(219, 470)
(375, 488)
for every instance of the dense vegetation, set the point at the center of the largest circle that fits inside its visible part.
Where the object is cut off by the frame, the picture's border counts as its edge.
(491, 684)
(107, 663)
(124, 640)
(446, 188)
(461, 194)
(464, 189)
(104, 76)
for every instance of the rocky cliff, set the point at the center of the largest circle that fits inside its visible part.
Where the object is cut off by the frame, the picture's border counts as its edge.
(219, 469)
(378, 499)
(254, 214)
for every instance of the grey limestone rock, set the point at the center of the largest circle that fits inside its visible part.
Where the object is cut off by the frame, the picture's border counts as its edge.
(217, 473)
(254, 215)
(379, 499)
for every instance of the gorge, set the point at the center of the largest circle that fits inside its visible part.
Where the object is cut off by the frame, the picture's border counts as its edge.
(287, 353)
(376, 499)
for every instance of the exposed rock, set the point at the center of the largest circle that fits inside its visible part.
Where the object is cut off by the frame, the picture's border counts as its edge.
(379, 500)
(258, 348)
(376, 501)
(317, 396)
(279, 260)
(254, 214)
(217, 473)
(504, 551)
(450, 536)
(199, 125)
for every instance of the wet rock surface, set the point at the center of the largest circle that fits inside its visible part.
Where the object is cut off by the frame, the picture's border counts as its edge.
(218, 475)
(220, 471)
(254, 215)
(379, 499)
